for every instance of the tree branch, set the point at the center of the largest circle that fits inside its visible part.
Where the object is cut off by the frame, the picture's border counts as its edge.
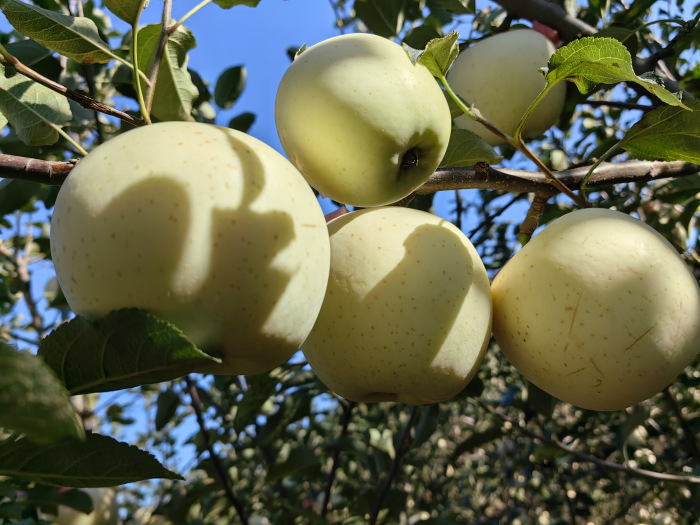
(84, 100)
(347, 416)
(400, 452)
(218, 467)
(482, 176)
(550, 14)
(605, 464)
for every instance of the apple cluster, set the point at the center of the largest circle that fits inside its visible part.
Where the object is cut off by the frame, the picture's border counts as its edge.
(219, 234)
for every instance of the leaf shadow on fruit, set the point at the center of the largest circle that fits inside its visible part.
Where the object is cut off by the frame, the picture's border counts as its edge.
(410, 351)
(146, 260)
(246, 247)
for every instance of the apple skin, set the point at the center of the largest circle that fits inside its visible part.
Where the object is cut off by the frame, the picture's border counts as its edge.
(500, 76)
(104, 511)
(363, 124)
(407, 313)
(598, 309)
(205, 227)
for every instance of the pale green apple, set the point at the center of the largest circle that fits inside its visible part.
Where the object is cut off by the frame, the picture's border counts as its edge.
(206, 227)
(500, 75)
(363, 124)
(407, 312)
(598, 309)
(104, 511)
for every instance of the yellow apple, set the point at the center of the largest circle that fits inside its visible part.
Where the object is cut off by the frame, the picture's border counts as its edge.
(206, 227)
(363, 124)
(407, 312)
(104, 511)
(500, 75)
(598, 309)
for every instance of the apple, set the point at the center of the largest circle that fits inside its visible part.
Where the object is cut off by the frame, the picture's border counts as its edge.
(104, 511)
(407, 312)
(598, 309)
(500, 75)
(363, 124)
(206, 227)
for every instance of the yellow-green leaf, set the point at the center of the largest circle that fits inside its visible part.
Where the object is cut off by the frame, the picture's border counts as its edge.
(74, 37)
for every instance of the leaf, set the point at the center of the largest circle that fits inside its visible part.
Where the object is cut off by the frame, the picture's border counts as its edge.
(126, 348)
(382, 17)
(34, 111)
(32, 401)
(428, 420)
(168, 403)
(100, 461)
(438, 55)
(418, 37)
(458, 7)
(466, 149)
(677, 191)
(242, 122)
(260, 388)
(127, 10)
(383, 441)
(16, 194)
(301, 459)
(228, 4)
(590, 61)
(477, 439)
(666, 133)
(174, 91)
(74, 37)
(229, 86)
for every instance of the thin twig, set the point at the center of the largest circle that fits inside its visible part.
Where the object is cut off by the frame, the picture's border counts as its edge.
(84, 100)
(583, 456)
(347, 416)
(162, 43)
(400, 452)
(220, 471)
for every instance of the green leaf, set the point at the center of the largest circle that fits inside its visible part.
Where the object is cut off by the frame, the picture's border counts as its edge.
(260, 388)
(418, 37)
(458, 7)
(229, 86)
(16, 194)
(127, 10)
(300, 460)
(477, 439)
(126, 348)
(33, 401)
(428, 420)
(382, 440)
(228, 4)
(438, 55)
(168, 403)
(677, 191)
(242, 122)
(382, 17)
(466, 149)
(34, 111)
(174, 91)
(590, 61)
(100, 461)
(74, 37)
(666, 133)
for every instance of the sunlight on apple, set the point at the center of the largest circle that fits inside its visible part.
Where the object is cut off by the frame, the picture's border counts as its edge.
(598, 309)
